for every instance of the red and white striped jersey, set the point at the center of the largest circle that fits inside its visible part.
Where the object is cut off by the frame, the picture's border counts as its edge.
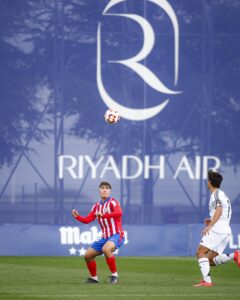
(111, 221)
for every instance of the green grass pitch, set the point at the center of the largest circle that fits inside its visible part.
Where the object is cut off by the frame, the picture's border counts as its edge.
(56, 278)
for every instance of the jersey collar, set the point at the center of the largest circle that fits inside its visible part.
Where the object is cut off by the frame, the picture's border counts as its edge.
(101, 202)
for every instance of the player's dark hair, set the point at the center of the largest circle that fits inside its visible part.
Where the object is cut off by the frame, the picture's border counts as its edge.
(106, 184)
(215, 178)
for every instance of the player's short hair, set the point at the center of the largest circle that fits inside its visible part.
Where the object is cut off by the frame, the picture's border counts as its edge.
(105, 183)
(215, 178)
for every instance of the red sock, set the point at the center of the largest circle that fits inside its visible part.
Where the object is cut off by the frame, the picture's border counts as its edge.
(92, 267)
(112, 264)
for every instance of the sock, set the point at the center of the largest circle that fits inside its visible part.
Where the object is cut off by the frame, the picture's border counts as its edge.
(112, 264)
(205, 268)
(223, 258)
(92, 268)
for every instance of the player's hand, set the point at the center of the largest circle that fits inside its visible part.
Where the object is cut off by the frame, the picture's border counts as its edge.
(207, 221)
(99, 215)
(75, 213)
(206, 230)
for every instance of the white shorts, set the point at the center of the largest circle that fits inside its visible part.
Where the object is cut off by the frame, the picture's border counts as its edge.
(215, 241)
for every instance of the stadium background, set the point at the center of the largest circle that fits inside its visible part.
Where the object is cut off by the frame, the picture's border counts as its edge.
(51, 107)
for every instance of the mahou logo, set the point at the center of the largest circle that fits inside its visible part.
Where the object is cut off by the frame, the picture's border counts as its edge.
(73, 236)
(134, 63)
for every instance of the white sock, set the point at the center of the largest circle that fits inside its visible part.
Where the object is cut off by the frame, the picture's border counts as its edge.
(95, 277)
(223, 258)
(115, 274)
(205, 268)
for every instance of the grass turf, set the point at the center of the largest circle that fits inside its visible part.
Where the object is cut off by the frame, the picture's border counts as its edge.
(56, 278)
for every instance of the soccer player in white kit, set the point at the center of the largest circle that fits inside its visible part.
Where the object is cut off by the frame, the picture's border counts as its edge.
(217, 232)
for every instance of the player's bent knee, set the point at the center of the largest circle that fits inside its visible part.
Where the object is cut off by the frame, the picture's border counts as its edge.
(202, 252)
(89, 256)
(212, 263)
(107, 251)
(198, 252)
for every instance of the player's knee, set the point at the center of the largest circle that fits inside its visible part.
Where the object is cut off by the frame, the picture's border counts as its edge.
(88, 257)
(212, 263)
(200, 253)
(107, 251)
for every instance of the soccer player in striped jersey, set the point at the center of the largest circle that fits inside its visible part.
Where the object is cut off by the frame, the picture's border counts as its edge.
(109, 215)
(216, 234)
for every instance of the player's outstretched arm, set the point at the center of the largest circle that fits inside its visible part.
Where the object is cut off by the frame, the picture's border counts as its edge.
(89, 218)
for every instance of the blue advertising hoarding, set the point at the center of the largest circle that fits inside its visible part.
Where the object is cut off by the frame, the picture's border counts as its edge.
(45, 240)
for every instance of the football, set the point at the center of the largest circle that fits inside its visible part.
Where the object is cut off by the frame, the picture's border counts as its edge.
(111, 116)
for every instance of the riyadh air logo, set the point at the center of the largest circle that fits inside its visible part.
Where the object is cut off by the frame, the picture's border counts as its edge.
(134, 62)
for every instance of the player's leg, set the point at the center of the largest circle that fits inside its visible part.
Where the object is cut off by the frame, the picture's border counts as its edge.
(211, 255)
(89, 257)
(218, 257)
(210, 251)
(204, 265)
(108, 250)
(113, 243)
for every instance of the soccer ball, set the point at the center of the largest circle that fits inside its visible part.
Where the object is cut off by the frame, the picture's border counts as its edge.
(111, 116)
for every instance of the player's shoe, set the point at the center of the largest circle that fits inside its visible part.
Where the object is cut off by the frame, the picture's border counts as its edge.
(113, 279)
(204, 283)
(237, 257)
(91, 280)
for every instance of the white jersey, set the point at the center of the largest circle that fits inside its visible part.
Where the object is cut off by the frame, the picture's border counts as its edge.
(218, 198)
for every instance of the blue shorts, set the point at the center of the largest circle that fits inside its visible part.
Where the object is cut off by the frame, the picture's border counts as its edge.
(115, 238)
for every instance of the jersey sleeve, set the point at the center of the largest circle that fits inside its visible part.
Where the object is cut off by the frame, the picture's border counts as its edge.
(89, 218)
(116, 210)
(217, 201)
